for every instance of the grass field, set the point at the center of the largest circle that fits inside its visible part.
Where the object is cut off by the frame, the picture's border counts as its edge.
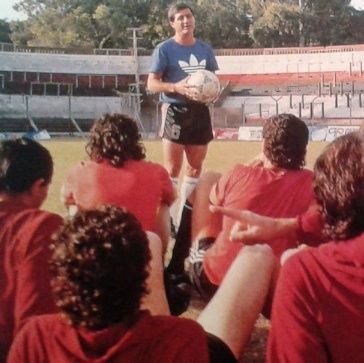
(222, 155)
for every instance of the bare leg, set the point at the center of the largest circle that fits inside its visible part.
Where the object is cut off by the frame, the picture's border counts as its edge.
(195, 156)
(156, 300)
(232, 312)
(204, 222)
(172, 157)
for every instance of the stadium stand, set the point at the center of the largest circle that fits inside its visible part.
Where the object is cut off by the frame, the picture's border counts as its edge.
(316, 83)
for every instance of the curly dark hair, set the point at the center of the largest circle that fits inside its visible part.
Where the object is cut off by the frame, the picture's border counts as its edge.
(339, 186)
(285, 141)
(100, 264)
(115, 138)
(22, 162)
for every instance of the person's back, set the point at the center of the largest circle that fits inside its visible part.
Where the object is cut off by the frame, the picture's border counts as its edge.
(100, 266)
(151, 339)
(317, 314)
(140, 186)
(25, 234)
(279, 187)
(118, 174)
(320, 305)
(275, 193)
(24, 276)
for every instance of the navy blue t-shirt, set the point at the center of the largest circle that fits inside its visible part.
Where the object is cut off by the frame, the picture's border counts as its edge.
(175, 61)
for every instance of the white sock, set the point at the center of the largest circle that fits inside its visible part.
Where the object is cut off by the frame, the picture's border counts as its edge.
(187, 187)
(173, 210)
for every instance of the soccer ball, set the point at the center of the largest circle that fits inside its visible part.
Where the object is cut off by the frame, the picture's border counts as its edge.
(206, 83)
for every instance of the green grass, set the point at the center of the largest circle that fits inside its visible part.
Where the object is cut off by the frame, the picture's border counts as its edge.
(221, 156)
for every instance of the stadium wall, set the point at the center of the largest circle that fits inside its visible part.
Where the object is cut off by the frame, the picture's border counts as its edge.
(317, 133)
(13, 106)
(108, 71)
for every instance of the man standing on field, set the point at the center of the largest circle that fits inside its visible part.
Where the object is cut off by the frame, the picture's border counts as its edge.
(186, 124)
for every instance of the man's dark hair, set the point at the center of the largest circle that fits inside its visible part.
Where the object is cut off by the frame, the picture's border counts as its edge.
(175, 8)
(115, 139)
(100, 265)
(285, 141)
(22, 162)
(339, 186)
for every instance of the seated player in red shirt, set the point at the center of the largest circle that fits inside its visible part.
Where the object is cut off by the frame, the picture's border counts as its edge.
(26, 169)
(318, 304)
(118, 174)
(101, 265)
(277, 186)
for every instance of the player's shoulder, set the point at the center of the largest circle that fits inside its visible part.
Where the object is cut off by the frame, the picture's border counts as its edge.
(306, 173)
(300, 262)
(165, 44)
(30, 226)
(203, 44)
(34, 215)
(152, 165)
(44, 325)
(239, 168)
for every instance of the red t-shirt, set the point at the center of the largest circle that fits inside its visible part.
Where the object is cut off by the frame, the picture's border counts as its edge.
(318, 308)
(270, 192)
(140, 186)
(24, 271)
(152, 339)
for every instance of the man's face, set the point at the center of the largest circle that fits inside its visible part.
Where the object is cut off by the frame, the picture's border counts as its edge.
(183, 23)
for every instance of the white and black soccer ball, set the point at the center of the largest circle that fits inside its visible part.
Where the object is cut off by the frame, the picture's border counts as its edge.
(206, 83)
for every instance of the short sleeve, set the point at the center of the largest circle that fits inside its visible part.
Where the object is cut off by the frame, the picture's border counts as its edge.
(212, 63)
(159, 60)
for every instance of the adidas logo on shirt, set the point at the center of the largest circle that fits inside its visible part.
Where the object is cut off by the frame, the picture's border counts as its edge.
(193, 65)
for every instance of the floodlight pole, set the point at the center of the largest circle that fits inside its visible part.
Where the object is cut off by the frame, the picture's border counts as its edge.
(136, 64)
(136, 85)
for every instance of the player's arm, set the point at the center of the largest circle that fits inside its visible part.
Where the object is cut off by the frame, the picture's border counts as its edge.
(155, 84)
(252, 227)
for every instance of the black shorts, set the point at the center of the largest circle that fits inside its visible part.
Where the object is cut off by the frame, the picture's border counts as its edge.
(188, 124)
(196, 272)
(219, 352)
